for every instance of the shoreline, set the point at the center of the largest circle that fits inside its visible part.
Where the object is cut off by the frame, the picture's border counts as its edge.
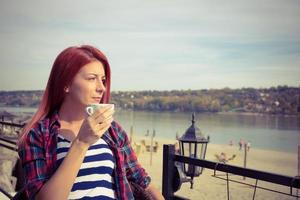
(169, 111)
(256, 114)
(253, 153)
(221, 112)
(221, 144)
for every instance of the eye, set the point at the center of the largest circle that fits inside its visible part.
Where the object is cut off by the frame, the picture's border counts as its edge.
(91, 78)
(104, 81)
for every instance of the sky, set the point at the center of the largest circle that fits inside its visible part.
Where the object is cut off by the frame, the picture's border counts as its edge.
(157, 44)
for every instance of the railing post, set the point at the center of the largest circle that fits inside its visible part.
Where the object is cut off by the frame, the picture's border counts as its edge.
(168, 169)
(245, 157)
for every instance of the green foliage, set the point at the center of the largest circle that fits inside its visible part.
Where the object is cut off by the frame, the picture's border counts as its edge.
(274, 100)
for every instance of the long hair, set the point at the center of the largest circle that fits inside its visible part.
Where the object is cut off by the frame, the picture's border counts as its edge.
(64, 69)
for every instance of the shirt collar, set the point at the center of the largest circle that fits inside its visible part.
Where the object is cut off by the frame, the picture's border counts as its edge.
(54, 120)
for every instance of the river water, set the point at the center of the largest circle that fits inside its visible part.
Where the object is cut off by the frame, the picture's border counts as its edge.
(280, 133)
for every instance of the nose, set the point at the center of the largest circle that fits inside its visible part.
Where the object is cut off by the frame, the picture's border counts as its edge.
(100, 86)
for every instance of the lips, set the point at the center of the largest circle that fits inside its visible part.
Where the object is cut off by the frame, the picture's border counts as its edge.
(97, 99)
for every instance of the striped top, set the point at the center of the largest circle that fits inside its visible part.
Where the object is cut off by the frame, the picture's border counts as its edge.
(95, 177)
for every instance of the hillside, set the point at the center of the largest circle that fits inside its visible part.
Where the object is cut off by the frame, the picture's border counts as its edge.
(275, 100)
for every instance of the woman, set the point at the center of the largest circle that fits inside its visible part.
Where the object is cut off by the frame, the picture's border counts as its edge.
(67, 154)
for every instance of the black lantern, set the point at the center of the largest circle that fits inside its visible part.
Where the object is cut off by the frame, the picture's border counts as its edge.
(193, 144)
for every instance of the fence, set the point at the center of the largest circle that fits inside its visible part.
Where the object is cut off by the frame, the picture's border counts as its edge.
(11, 144)
(169, 159)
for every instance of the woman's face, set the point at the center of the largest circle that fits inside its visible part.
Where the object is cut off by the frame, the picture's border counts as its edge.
(88, 85)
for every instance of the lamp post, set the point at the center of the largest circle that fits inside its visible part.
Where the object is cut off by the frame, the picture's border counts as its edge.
(193, 144)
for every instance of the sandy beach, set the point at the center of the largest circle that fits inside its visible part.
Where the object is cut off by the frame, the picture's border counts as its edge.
(208, 187)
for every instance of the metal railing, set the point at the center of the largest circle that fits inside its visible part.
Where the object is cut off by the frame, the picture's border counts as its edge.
(12, 124)
(11, 144)
(169, 159)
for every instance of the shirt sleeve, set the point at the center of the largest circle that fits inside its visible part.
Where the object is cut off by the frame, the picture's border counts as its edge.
(32, 155)
(134, 171)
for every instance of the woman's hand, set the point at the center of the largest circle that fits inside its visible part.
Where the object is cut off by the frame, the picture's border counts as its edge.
(94, 126)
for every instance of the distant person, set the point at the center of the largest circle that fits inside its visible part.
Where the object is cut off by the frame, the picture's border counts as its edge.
(67, 154)
(241, 144)
(230, 143)
(223, 158)
(248, 146)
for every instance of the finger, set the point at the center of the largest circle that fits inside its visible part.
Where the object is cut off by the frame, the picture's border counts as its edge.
(107, 121)
(103, 110)
(101, 128)
(96, 119)
(102, 117)
(104, 122)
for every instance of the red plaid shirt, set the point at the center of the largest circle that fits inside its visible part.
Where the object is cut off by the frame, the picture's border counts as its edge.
(38, 155)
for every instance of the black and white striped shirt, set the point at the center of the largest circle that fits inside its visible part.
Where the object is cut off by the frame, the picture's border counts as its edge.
(95, 177)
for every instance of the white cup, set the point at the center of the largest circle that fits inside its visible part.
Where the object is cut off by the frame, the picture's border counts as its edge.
(91, 108)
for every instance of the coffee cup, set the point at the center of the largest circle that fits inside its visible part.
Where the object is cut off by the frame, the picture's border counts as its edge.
(91, 108)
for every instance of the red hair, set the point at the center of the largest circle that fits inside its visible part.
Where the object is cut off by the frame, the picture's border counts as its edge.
(64, 69)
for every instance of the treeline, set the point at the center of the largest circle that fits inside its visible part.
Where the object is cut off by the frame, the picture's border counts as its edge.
(275, 100)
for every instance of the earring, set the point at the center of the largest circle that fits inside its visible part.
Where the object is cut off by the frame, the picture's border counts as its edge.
(66, 89)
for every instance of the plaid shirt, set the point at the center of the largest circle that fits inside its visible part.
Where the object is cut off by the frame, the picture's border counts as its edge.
(38, 155)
